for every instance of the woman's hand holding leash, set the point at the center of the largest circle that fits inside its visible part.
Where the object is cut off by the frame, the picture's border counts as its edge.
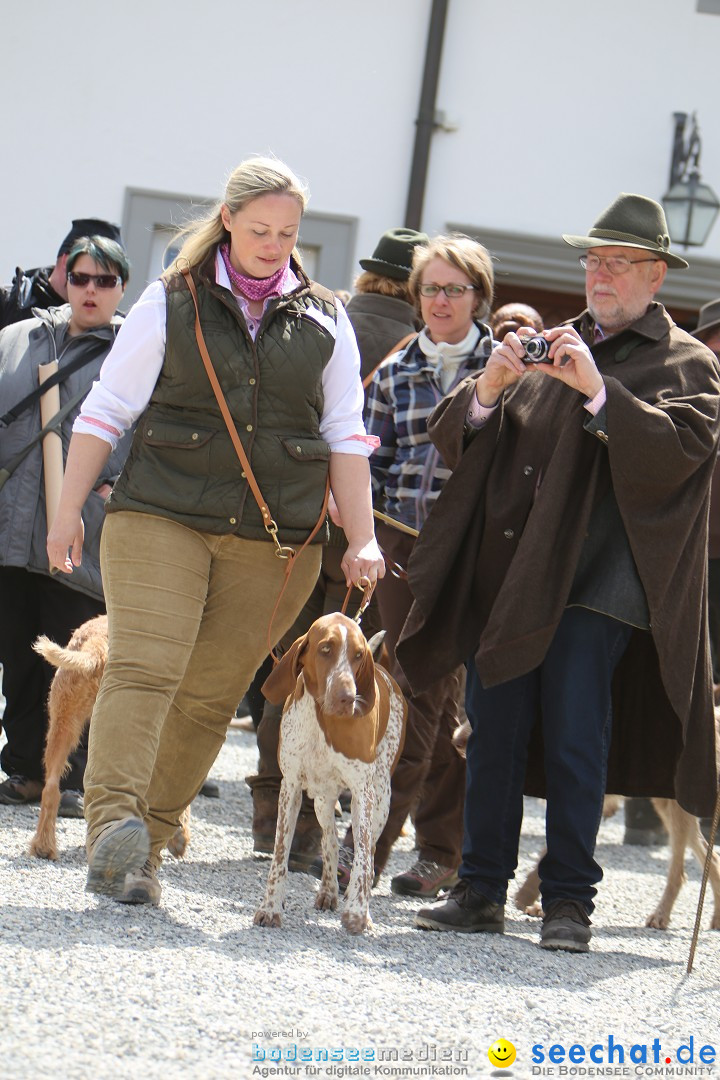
(363, 561)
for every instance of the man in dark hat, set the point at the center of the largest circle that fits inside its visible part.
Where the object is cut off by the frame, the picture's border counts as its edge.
(567, 558)
(46, 287)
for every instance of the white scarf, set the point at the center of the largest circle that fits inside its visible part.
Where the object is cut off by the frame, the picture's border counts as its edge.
(447, 358)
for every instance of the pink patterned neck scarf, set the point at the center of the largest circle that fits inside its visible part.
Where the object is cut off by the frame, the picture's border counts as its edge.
(254, 288)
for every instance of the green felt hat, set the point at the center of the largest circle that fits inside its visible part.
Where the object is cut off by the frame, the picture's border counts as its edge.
(393, 255)
(631, 221)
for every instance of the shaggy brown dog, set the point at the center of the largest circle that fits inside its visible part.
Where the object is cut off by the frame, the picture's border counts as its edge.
(71, 699)
(683, 831)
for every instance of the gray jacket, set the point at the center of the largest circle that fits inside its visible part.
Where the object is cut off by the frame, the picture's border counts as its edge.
(23, 528)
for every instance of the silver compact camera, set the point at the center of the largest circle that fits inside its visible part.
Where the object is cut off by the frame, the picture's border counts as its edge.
(536, 349)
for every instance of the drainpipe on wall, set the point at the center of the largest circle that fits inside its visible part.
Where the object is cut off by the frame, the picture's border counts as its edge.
(425, 123)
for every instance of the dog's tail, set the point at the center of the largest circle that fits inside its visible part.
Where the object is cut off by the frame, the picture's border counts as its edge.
(86, 664)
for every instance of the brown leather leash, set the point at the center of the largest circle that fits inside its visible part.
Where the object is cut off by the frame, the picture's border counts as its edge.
(282, 551)
(397, 347)
(395, 568)
(368, 588)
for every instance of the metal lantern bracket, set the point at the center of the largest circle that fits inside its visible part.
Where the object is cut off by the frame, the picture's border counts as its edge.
(691, 206)
(686, 152)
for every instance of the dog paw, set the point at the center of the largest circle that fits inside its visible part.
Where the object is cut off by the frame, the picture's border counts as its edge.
(263, 917)
(534, 910)
(355, 924)
(41, 852)
(657, 921)
(326, 899)
(715, 921)
(178, 842)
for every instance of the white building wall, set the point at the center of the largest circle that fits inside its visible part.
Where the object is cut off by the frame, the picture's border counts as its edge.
(559, 106)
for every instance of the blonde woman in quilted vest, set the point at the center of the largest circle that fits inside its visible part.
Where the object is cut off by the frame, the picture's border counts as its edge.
(190, 572)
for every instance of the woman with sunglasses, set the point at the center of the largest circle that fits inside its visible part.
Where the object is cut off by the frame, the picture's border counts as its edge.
(78, 335)
(192, 578)
(451, 285)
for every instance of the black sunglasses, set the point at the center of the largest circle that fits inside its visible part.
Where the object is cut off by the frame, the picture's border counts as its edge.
(102, 281)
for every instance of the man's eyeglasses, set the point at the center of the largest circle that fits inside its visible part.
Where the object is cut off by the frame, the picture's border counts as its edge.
(102, 281)
(453, 292)
(615, 265)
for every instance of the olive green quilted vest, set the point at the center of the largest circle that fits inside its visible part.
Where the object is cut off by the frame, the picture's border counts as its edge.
(182, 463)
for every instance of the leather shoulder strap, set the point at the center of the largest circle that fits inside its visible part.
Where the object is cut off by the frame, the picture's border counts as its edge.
(401, 344)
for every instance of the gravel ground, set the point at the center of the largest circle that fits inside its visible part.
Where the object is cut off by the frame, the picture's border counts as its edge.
(191, 989)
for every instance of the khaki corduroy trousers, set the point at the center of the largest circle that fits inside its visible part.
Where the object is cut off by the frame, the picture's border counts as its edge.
(188, 615)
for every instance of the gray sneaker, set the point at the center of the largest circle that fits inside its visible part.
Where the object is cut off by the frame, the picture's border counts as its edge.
(566, 926)
(142, 887)
(122, 849)
(72, 804)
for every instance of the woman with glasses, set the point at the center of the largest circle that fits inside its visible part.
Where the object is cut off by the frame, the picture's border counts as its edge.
(192, 576)
(78, 335)
(451, 285)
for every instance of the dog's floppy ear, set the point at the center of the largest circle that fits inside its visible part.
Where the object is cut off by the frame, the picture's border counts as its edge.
(365, 680)
(280, 683)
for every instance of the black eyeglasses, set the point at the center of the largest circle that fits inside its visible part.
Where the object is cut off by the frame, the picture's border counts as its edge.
(616, 264)
(102, 281)
(453, 292)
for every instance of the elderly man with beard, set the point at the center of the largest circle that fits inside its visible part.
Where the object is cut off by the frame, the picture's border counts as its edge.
(566, 560)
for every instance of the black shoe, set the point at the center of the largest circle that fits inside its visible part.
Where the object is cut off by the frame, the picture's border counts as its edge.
(210, 789)
(643, 827)
(72, 804)
(18, 790)
(566, 925)
(464, 910)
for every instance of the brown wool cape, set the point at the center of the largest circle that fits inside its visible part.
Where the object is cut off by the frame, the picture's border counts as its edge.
(493, 566)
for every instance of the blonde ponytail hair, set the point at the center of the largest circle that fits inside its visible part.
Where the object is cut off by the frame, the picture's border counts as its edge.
(254, 177)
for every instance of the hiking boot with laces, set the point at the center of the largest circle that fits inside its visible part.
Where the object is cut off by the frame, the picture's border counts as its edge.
(18, 790)
(425, 878)
(142, 887)
(344, 868)
(464, 910)
(306, 838)
(566, 925)
(121, 849)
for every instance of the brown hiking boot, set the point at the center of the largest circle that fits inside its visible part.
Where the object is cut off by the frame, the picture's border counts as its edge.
(306, 841)
(265, 803)
(425, 878)
(142, 886)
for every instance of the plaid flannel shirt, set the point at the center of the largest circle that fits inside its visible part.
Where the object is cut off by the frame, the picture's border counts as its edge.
(407, 471)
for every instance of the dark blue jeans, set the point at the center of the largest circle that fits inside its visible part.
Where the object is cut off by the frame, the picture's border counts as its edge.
(571, 691)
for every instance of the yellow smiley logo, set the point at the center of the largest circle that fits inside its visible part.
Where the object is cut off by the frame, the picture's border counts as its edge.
(501, 1053)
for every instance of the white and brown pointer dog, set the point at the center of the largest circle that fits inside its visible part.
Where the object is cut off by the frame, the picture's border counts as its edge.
(343, 726)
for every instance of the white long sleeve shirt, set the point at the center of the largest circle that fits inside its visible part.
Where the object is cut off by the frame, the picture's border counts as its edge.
(129, 374)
